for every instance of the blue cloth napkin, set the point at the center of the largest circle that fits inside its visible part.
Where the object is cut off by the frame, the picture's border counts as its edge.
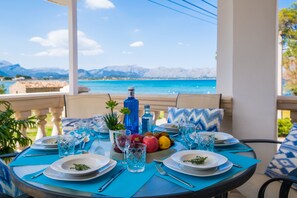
(203, 182)
(36, 160)
(236, 148)
(126, 185)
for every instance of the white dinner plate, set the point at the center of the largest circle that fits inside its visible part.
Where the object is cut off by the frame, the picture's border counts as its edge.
(213, 159)
(219, 136)
(171, 164)
(222, 136)
(66, 164)
(48, 141)
(167, 127)
(228, 142)
(41, 147)
(50, 173)
(170, 126)
(223, 139)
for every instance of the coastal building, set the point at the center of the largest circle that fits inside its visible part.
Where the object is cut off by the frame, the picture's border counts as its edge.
(18, 78)
(36, 86)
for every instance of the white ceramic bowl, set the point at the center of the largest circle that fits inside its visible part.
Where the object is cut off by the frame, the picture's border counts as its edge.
(66, 164)
(213, 160)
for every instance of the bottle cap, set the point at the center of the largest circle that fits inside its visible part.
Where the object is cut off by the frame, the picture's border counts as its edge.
(147, 106)
(130, 88)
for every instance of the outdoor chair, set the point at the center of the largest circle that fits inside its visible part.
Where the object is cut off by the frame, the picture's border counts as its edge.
(86, 105)
(7, 187)
(282, 169)
(198, 101)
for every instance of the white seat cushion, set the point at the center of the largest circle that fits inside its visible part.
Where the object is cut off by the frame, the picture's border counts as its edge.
(251, 188)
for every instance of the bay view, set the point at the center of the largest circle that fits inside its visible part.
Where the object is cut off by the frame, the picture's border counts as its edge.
(145, 86)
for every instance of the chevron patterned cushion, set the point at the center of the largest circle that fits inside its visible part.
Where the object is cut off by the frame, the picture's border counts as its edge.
(6, 185)
(285, 160)
(204, 119)
(96, 123)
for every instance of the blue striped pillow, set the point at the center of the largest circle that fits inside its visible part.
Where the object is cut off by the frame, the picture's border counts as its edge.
(6, 185)
(204, 119)
(285, 160)
(96, 123)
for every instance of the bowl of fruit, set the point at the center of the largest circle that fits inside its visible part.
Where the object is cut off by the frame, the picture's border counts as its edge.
(158, 145)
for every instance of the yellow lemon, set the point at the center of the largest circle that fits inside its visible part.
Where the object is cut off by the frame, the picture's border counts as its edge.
(164, 142)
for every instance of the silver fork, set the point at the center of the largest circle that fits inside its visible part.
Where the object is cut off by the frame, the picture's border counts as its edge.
(163, 172)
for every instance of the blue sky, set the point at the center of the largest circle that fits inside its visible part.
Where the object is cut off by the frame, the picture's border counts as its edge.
(111, 32)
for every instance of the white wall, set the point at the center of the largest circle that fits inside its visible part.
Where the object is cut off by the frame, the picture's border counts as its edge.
(253, 59)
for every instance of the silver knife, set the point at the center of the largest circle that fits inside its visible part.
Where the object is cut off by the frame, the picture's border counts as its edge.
(37, 175)
(106, 184)
(39, 154)
(237, 165)
(107, 166)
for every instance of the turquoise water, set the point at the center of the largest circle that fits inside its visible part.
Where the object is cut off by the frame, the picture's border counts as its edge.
(147, 86)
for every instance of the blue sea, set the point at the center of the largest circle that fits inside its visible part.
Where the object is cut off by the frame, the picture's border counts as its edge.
(146, 86)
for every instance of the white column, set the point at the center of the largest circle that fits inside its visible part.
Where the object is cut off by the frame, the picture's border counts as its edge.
(225, 55)
(253, 60)
(73, 60)
(225, 48)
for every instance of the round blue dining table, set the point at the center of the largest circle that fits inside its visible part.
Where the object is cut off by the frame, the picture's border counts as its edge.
(156, 186)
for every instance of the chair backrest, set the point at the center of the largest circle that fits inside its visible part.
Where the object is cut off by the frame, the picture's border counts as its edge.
(198, 101)
(85, 105)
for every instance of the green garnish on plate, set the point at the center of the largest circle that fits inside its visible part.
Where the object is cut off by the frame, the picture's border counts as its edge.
(197, 160)
(80, 167)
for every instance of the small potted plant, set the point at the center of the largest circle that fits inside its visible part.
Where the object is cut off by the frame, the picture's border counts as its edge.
(10, 129)
(113, 120)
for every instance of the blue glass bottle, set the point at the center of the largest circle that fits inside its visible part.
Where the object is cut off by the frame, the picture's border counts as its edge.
(147, 119)
(131, 120)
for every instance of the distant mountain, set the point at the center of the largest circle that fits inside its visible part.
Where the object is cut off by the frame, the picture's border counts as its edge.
(4, 63)
(127, 71)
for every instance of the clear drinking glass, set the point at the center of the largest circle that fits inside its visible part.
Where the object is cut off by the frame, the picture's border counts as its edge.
(187, 130)
(205, 140)
(136, 157)
(123, 140)
(66, 144)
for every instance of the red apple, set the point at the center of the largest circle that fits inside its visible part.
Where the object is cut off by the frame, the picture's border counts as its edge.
(136, 138)
(151, 142)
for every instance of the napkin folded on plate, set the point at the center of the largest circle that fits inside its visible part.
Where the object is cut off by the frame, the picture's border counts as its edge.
(126, 185)
(203, 182)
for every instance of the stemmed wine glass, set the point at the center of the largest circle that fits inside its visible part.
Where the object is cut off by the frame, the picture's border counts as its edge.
(123, 140)
(187, 130)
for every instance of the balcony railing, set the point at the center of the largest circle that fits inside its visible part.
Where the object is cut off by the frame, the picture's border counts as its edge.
(42, 104)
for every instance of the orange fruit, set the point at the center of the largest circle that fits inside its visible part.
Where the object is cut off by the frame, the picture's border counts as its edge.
(164, 142)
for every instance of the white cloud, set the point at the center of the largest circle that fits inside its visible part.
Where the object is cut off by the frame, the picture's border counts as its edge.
(137, 44)
(183, 44)
(4, 53)
(136, 30)
(97, 4)
(127, 52)
(56, 44)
